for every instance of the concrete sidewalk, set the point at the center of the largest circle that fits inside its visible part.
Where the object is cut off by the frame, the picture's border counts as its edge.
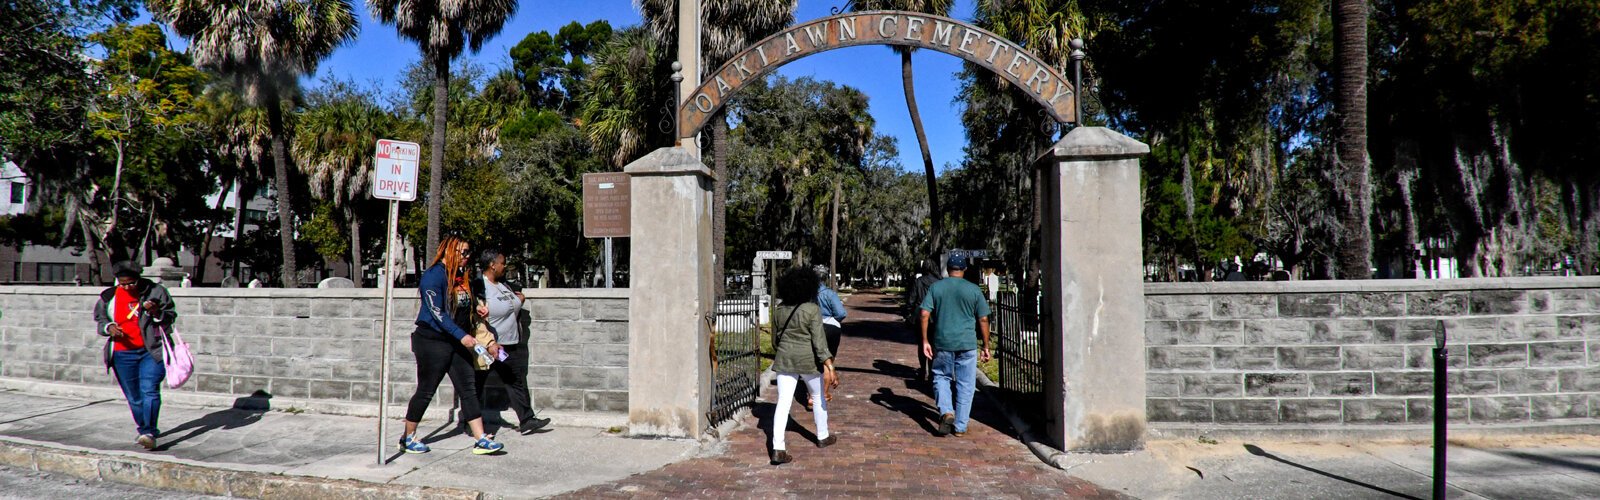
(1509, 467)
(332, 447)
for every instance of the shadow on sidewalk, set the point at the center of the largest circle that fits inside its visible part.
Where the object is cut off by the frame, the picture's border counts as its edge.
(245, 411)
(63, 410)
(1257, 451)
(921, 413)
(1562, 462)
(764, 413)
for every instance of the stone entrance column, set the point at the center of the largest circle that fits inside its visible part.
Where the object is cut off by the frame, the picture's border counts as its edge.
(669, 298)
(1094, 282)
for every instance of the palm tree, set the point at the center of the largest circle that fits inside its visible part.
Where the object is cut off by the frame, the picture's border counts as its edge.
(238, 140)
(442, 30)
(334, 141)
(265, 46)
(622, 107)
(1350, 131)
(728, 26)
(935, 7)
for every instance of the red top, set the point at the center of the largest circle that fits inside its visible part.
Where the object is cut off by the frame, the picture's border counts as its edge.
(125, 312)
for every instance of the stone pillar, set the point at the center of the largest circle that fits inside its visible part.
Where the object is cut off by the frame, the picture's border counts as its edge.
(1094, 286)
(669, 298)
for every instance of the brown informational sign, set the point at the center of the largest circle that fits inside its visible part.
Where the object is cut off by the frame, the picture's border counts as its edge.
(606, 202)
(1012, 62)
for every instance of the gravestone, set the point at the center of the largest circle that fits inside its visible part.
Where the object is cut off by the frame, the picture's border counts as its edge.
(336, 282)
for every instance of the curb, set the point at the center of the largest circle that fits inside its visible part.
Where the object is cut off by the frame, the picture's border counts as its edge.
(1050, 456)
(197, 479)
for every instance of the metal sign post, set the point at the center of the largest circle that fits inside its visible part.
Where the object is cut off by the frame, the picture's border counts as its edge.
(609, 273)
(1441, 410)
(394, 179)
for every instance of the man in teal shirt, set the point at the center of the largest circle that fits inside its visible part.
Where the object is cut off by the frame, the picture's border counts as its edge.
(956, 307)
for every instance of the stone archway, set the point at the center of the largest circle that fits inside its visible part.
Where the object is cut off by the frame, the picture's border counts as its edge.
(1094, 388)
(909, 29)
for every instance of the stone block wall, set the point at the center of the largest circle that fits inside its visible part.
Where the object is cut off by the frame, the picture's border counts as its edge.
(321, 344)
(1360, 353)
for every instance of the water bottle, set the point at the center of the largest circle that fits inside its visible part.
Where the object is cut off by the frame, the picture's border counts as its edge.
(483, 354)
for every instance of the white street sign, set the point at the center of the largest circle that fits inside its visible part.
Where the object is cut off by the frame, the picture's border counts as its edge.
(394, 175)
(774, 255)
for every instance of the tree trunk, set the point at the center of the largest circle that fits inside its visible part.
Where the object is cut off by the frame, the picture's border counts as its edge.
(441, 87)
(719, 201)
(246, 193)
(355, 244)
(1350, 105)
(280, 167)
(1034, 258)
(211, 229)
(833, 247)
(1408, 221)
(934, 216)
(94, 253)
(1588, 226)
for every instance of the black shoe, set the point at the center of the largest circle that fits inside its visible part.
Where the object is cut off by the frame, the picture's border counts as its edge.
(828, 442)
(947, 424)
(532, 424)
(780, 457)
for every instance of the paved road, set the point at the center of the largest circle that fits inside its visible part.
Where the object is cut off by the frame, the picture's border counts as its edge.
(19, 484)
(886, 448)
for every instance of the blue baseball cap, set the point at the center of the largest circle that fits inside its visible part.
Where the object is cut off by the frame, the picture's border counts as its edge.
(957, 261)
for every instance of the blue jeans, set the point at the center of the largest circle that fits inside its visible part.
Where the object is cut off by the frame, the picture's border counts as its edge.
(140, 374)
(962, 366)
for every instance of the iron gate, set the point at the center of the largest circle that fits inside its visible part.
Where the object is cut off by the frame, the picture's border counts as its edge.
(1021, 354)
(735, 355)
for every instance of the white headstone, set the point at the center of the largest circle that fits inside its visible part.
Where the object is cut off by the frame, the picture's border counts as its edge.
(162, 270)
(336, 282)
(254, 283)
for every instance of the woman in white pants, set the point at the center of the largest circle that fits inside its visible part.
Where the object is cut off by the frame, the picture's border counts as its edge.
(801, 354)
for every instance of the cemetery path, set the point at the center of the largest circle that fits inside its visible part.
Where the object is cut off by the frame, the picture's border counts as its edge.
(887, 446)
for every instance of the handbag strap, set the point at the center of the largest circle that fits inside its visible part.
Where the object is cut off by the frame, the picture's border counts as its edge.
(777, 337)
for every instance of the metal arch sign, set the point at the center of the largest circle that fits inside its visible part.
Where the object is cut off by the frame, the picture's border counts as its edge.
(911, 29)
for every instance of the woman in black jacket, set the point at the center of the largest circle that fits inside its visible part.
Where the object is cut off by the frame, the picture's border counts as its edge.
(134, 316)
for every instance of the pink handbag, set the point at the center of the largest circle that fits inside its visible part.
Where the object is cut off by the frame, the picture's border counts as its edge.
(180, 361)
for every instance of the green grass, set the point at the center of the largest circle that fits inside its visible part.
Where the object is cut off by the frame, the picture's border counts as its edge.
(991, 369)
(766, 347)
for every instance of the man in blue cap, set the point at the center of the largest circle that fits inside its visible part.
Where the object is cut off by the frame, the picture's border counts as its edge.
(959, 312)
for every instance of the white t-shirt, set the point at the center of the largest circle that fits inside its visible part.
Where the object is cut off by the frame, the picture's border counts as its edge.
(503, 308)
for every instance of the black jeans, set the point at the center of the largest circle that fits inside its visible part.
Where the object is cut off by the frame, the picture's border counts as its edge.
(439, 354)
(834, 334)
(514, 374)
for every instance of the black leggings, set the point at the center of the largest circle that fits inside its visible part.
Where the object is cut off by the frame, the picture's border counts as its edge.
(439, 354)
(514, 374)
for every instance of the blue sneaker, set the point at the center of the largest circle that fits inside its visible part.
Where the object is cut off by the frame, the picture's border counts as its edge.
(411, 445)
(486, 446)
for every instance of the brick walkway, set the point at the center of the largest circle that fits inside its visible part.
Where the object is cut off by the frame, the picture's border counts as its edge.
(887, 448)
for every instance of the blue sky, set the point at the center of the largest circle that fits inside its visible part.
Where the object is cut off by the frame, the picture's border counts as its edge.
(378, 55)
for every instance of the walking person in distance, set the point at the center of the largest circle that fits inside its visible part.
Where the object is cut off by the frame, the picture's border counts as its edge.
(443, 347)
(919, 289)
(134, 316)
(801, 355)
(954, 306)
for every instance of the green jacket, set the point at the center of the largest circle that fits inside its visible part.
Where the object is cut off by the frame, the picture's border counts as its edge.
(800, 346)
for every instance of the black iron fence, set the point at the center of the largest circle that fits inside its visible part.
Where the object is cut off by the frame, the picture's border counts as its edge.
(736, 356)
(1019, 350)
